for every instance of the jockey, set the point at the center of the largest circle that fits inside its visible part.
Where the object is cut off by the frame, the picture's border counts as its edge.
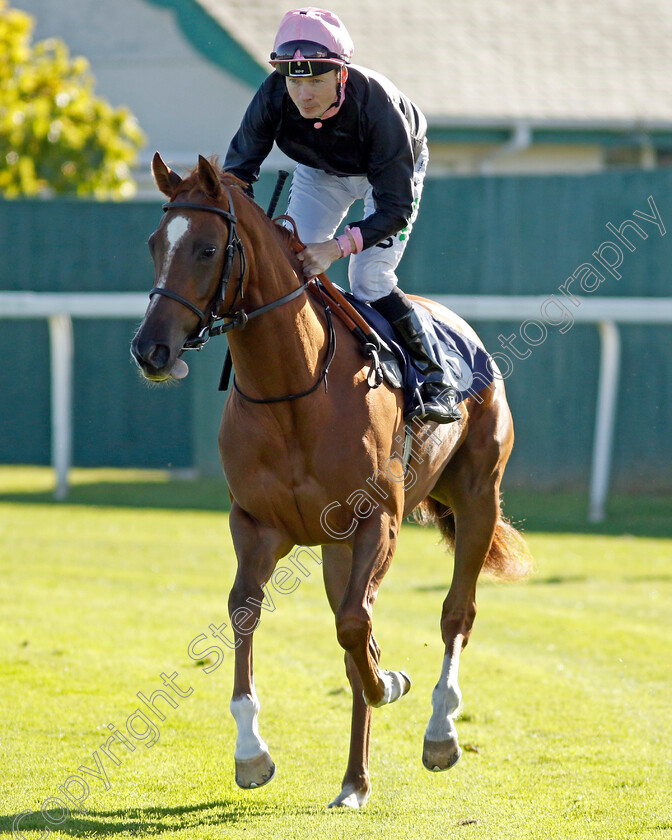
(354, 136)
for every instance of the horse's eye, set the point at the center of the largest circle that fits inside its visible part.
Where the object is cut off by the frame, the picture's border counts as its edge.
(209, 252)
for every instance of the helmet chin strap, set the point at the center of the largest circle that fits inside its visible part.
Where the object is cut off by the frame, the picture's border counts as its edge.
(342, 79)
(335, 106)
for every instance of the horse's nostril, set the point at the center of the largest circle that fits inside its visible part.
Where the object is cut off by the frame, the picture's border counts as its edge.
(151, 357)
(158, 356)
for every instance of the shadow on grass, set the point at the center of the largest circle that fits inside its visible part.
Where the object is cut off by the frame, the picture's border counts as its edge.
(567, 513)
(637, 516)
(531, 581)
(200, 494)
(142, 821)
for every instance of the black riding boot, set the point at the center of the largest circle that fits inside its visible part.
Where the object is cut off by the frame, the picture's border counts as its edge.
(439, 399)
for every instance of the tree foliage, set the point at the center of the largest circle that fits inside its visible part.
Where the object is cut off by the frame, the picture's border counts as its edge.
(56, 136)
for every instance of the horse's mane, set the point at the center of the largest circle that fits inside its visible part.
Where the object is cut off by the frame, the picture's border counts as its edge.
(287, 237)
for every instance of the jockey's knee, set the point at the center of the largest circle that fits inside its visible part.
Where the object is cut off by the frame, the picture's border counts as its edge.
(370, 280)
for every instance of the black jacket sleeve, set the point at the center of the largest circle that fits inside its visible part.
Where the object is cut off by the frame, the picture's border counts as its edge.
(253, 141)
(390, 172)
(394, 130)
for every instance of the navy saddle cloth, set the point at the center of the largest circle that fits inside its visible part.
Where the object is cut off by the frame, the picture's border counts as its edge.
(465, 363)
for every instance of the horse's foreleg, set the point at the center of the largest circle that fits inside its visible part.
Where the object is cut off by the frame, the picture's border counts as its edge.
(258, 551)
(373, 549)
(475, 522)
(356, 787)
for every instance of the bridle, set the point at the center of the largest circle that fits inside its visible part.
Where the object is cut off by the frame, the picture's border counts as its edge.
(208, 320)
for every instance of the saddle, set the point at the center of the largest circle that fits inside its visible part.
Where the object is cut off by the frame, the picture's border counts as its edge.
(463, 361)
(466, 365)
(386, 365)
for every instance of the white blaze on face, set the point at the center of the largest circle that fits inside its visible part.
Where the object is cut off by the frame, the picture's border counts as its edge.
(175, 231)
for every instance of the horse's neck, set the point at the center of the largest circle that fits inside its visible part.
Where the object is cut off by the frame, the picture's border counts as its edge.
(280, 352)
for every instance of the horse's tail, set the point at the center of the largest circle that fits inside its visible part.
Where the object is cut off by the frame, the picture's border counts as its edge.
(509, 557)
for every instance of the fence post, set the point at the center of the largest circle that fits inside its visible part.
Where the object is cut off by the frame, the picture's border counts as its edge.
(61, 342)
(605, 420)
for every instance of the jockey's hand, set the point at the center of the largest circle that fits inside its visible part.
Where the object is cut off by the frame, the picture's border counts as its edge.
(318, 256)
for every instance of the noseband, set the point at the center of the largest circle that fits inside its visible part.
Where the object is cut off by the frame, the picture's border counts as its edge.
(208, 325)
(234, 246)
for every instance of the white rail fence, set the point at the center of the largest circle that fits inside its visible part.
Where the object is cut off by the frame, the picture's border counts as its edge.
(605, 313)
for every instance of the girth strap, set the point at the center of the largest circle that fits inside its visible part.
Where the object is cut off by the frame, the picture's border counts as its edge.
(225, 375)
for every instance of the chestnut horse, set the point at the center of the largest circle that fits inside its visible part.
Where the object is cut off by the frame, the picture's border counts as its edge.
(311, 465)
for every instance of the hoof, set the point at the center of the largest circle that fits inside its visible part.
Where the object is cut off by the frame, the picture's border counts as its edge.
(254, 772)
(440, 755)
(350, 797)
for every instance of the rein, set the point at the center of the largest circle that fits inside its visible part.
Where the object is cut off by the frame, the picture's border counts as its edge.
(331, 352)
(238, 319)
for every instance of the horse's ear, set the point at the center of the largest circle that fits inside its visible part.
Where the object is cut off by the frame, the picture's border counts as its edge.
(166, 180)
(209, 179)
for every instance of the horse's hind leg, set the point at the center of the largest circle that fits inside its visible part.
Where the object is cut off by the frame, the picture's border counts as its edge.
(475, 506)
(356, 788)
(258, 551)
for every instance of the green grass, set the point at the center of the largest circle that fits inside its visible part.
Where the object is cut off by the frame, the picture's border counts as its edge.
(566, 723)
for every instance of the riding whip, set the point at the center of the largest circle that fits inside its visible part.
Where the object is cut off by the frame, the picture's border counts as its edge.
(279, 184)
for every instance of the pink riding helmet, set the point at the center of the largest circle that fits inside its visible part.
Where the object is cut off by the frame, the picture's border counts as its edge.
(310, 42)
